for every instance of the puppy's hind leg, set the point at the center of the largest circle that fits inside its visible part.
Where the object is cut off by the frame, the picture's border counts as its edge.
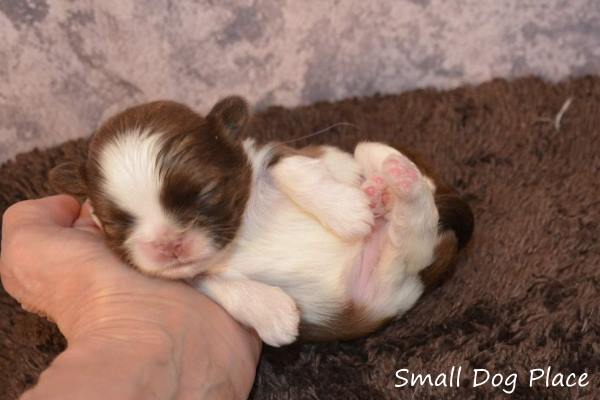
(403, 200)
(413, 219)
(400, 194)
(370, 157)
(408, 244)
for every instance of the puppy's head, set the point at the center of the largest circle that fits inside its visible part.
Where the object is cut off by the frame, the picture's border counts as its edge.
(168, 186)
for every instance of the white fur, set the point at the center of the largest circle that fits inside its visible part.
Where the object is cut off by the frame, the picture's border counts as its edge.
(302, 234)
(283, 242)
(342, 166)
(342, 207)
(268, 309)
(370, 156)
(413, 231)
(130, 165)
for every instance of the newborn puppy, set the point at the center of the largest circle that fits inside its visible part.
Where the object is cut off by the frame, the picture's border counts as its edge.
(315, 241)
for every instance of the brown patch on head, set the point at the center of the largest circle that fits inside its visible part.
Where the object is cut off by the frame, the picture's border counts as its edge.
(116, 225)
(206, 175)
(206, 181)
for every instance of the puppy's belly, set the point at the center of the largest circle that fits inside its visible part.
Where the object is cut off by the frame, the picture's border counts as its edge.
(321, 272)
(362, 283)
(292, 250)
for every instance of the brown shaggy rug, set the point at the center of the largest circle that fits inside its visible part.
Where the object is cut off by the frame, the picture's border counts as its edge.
(526, 295)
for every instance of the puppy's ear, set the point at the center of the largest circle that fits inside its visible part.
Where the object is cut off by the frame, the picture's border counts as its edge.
(232, 112)
(68, 178)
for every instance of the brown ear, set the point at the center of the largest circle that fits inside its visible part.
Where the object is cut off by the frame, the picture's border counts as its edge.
(67, 178)
(232, 112)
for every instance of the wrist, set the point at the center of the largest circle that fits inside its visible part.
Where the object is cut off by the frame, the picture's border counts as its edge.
(100, 368)
(169, 340)
(218, 356)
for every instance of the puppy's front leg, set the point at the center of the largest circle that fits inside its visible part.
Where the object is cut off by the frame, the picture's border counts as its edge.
(341, 207)
(267, 309)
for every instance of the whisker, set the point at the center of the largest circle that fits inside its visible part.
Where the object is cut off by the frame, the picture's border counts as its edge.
(319, 132)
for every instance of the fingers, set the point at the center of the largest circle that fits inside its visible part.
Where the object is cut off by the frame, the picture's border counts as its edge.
(60, 210)
(255, 344)
(9, 282)
(22, 221)
(26, 228)
(85, 221)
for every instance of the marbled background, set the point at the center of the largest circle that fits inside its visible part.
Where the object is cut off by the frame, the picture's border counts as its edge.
(66, 65)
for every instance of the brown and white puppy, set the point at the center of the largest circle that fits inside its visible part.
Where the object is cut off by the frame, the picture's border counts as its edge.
(311, 241)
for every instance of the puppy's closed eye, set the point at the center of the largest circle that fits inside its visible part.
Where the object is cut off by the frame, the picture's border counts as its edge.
(209, 193)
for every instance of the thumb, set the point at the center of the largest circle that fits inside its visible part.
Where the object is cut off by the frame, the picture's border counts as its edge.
(85, 220)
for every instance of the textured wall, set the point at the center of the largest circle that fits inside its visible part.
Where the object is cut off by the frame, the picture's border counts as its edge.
(65, 65)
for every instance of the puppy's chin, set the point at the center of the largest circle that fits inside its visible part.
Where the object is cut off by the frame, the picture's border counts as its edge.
(183, 271)
(173, 269)
(171, 254)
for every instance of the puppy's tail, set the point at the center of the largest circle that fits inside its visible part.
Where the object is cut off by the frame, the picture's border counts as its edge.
(456, 223)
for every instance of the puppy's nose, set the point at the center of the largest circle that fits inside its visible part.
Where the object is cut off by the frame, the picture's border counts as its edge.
(166, 248)
(170, 248)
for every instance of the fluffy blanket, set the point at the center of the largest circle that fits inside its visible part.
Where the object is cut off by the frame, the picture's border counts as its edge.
(526, 295)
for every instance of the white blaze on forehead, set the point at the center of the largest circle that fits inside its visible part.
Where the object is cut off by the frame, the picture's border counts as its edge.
(132, 180)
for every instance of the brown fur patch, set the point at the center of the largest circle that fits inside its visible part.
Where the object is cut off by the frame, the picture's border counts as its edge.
(456, 222)
(455, 216)
(352, 322)
(445, 254)
(282, 150)
(197, 153)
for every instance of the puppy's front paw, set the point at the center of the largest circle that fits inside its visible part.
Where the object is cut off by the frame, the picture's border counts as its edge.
(279, 322)
(352, 217)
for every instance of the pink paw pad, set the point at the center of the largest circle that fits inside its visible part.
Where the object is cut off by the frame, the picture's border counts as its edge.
(374, 187)
(371, 191)
(401, 173)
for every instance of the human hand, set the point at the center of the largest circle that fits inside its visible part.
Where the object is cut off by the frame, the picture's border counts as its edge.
(117, 321)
